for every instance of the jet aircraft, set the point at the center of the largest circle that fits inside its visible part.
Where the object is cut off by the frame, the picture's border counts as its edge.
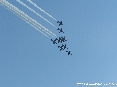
(60, 23)
(62, 47)
(60, 30)
(54, 41)
(68, 52)
(61, 39)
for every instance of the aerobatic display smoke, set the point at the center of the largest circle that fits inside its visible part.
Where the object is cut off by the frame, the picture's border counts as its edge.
(27, 18)
(35, 12)
(41, 9)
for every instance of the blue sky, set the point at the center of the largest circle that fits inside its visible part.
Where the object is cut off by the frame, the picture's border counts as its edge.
(29, 59)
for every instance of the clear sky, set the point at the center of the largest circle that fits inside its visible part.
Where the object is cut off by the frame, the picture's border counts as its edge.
(29, 59)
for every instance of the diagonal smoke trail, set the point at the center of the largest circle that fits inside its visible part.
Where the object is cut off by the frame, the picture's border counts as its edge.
(38, 29)
(25, 17)
(17, 12)
(35, 12)
(41, 9)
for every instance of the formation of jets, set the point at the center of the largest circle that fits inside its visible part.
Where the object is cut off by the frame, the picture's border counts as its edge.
(61, 40)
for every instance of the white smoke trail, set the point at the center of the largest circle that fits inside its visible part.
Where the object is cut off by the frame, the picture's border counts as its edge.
(31, 24)
(38, 29)
(25, 17)
(17, 12)
(41, 9)
(35, 12)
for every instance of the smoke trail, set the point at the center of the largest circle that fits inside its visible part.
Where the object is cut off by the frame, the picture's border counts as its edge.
(25, 17)
(38, 29)
(35, 12)
(41, 9)
(17, 12)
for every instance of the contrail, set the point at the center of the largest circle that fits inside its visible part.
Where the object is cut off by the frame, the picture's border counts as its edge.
(18, 12)
(25, 17)
(35, 12)
(38, 29)
(28, 19)
(41, 9)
